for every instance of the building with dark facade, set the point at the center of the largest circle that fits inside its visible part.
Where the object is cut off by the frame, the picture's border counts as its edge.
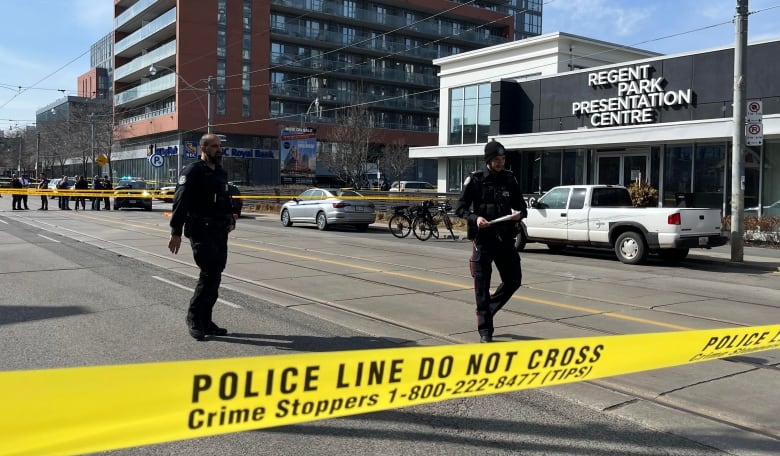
(668, 119)
(268, 67)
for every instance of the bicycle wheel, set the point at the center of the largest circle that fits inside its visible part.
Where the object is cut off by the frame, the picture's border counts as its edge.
(400, 225)
(448, 223)
(421, 229)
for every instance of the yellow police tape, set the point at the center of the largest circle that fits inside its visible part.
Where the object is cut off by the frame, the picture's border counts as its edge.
(89, 409)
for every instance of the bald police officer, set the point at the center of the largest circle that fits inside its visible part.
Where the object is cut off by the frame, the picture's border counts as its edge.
(487, 195)
(202, 211)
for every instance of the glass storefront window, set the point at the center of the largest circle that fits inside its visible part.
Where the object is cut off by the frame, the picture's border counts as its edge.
(458, 169)
(573, 167)
(770, 194)
(551, 170)
(677, 173)
(709, 172)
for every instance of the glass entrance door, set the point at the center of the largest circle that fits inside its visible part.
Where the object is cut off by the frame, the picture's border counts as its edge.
(622, 168)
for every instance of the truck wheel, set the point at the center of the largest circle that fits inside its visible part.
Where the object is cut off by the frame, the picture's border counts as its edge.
(673, 256)
(630, 248)
(520, 241)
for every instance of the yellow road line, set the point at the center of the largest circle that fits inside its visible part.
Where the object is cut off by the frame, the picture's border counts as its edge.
(615, 315)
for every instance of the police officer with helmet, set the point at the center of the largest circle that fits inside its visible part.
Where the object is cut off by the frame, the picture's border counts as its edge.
(202, 211)
(487, 195)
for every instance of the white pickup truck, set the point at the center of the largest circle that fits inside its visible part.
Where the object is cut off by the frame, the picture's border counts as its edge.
(603, 216)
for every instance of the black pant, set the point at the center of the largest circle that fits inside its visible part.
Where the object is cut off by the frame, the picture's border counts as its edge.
(503, 254)
(44, 202)
(24, 201)
(209, 247)
(16, 202)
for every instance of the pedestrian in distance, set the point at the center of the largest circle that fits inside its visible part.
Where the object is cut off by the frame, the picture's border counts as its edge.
(62, 187)
(106, 186)
(43, 185)
(80, 186)
(16, 197)
(97, 184)
(490, 194)
(203, 212)
(25, 185)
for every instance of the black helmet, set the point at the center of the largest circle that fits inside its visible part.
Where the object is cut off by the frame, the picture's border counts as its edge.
(494, 149)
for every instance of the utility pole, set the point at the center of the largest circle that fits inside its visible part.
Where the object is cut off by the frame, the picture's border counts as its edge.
(738, 141)
(19, 163)
(209, 116)
(92, 127)
(37, 152)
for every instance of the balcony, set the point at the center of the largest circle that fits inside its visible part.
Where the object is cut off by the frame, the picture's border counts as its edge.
(139, 67)
(146, 92)
(148, 36)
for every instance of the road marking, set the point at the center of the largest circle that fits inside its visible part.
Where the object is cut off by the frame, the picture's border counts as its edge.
(618, 316)
(47, 237)
(178, 285)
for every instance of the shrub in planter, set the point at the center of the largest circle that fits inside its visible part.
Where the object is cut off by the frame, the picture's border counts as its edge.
(643, 194)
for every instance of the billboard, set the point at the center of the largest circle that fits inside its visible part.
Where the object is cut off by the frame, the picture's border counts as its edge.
(298, 155)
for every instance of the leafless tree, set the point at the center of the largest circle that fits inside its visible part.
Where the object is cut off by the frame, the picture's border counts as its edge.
(395, 160)
(353, 136)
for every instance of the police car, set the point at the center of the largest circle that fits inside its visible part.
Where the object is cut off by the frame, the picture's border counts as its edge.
(132, 192)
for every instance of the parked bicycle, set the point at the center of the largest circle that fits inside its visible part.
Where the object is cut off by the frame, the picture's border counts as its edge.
(423, 220)
(403, 219)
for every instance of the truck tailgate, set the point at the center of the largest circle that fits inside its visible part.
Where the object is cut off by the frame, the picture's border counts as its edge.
(699, 221)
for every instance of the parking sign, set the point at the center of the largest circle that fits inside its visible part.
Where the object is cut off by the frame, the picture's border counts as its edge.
(156, 160)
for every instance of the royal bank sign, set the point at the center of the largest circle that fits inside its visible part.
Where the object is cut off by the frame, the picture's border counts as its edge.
(639, 97)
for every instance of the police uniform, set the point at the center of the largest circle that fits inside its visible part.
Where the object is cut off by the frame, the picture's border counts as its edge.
(490, 195)
(202, 211)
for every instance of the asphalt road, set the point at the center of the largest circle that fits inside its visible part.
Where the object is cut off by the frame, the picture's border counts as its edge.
(93, 288)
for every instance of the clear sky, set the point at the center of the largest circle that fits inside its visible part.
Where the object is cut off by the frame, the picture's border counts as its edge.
(44, 44)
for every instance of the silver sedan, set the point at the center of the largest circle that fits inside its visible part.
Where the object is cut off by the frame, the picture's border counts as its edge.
(329, 206)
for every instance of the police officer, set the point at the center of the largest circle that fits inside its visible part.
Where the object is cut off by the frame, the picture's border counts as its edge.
(202, 211)
(487, 195)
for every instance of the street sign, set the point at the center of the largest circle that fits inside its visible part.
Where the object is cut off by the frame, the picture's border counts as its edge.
(754, 134)
(755, 109)
(156, 160)
(101, 160)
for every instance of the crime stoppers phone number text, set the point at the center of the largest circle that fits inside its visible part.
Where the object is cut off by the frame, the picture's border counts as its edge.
(475, 386)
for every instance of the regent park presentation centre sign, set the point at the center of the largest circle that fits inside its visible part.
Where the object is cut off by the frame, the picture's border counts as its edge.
(639, 96)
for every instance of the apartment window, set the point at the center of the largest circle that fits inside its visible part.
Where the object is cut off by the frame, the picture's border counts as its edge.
(347, 35)
(381, 14)
(278, 23)
(534, 5)
(533, 24)
(246, 78)
(247, 15)
(221, 65)
(222, 13)
(312, 29)
(349, 8)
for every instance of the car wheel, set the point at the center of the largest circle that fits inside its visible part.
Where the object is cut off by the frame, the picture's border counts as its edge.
(361, 226)
(322, 221)
(148, 208)
(520, 241)
(116, 208)
(630, 248)
(286, 218)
